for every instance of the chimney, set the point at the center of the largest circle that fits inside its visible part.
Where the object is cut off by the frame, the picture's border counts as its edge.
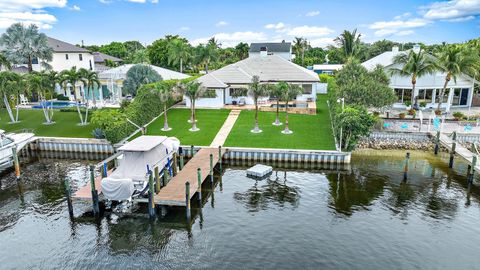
(416, 48)
(395, 49)
(263, 51)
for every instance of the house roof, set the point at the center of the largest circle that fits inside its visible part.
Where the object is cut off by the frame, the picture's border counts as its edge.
(101, 57)
(269, 68)
(385, 59)
(120, 73)
(271, 47)
(61, 46)
(328, 67)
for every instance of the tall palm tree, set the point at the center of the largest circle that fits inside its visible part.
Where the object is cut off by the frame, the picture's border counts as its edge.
(207, 54)
(193, 90)
(22, 44)
(278, 91)
(292, 92)
(415, 64)
(349, 42)
(164, 91)
(91, 81)
(73, 76)
(4, 62)
(300, 45)
(455, 60)
(178, 52)
(43, 84)
(241, 50)
(257, 90)
(9, 81)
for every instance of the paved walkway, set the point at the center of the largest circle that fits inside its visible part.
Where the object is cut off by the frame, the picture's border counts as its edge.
(226, 128)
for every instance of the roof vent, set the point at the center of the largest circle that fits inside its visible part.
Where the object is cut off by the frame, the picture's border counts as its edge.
(263, 51)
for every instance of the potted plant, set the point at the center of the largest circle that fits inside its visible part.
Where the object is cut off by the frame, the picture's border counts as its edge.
(401, 115)
(412, 112)
(458, 116)
(423, 104)
(438, 112)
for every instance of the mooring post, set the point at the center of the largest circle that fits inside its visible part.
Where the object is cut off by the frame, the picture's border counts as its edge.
(16, 162)
(151, 202)
(211, 168)
(199, 178)
(437, 142)
(158, 183)
(192, 150)
(469, 169)
(175, 162)
(68, 193)
(104, 170)
(96, 208)
(405, 169)
(181, 161)
(474, 163)
(220, 157)
(165, 176)
(452, 152)
(187, 199)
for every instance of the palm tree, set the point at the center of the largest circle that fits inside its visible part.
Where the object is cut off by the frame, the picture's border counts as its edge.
(24, 44)
(349, 42)
(4, 62)
(455, 60)
(9, 81)
(72, 77)
(241, 50)
(165, 94)
(414, 64)
(300, 45)
(292, 92)
(207, 53)
(278, 91)
(178, 52)
(257, 90)
(42, 84)
(91, 81)
(193, 90)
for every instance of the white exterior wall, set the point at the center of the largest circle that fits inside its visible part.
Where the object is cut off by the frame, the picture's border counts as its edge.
(216, 102)
(59, 61)
(312, 96)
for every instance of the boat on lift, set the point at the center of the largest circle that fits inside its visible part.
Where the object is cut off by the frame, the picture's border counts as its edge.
(12, 140)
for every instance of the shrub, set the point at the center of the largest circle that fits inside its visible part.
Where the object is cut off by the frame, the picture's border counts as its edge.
(376, 114)
(412, 112)
(408, 103)
(458, 115)
(423, 104)
(98, 133)
(61, 97)
(324, 78)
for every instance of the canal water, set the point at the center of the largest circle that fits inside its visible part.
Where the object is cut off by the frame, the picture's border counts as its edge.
(360, 217)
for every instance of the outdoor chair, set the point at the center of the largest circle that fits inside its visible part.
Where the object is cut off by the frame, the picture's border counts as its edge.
(23, 100)
(241, 102)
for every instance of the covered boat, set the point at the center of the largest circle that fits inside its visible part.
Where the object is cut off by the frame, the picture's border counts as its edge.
(140, 155)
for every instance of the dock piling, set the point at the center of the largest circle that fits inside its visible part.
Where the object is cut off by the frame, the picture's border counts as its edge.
(151, 202)
(165, 176)
(220, 157)
(405, 169)
(192, 151)
(187, 200)
(199, 178)
(96, 208)
(211, 168)
(181, 161)
(16, 162)
(469, 169)
(104, 169)
(175, 163)
(68, 193)
(437, 142)
(158, 183)
(474, 163)
(452, 153)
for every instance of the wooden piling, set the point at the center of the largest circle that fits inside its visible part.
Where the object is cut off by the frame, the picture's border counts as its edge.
(151, 202)
(199, 178)
(452, 152)
(220, 157)
(405, 168)
(192, 151)
(469, 169)
(211, 168)
(158, 182)
(16, 163)
(165, 176)
(175, 162)
(437, 143)
(96, 208)
(68, 194)
(187, 200)
(474, 163)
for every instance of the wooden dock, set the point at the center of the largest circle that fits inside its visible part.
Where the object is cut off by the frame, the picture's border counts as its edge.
(173, 194)
(460, 150)
(85, 192)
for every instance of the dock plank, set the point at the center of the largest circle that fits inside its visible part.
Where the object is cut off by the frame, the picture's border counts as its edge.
(460, 150)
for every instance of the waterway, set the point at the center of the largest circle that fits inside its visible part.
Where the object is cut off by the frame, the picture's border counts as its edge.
(360, 217)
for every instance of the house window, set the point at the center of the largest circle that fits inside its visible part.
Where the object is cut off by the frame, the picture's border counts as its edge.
(238, 92)
(307, 89)
(90, 62)
(399, 94)
(209, 93)
(445, 95)
(425, 95)
(403, 95)
(66, 56)
(80, 57)
(35, 61)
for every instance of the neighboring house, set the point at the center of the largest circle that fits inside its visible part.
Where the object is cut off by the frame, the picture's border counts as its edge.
(229, 85)
(282, 49)
(428, 87)
(112, 81)
(100, 60)
(328, 69)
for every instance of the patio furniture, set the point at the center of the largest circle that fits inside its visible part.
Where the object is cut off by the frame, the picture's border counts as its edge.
(23, 100)
(241, 102)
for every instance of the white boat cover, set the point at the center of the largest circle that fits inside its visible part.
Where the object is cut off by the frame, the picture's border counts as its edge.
(133, 166)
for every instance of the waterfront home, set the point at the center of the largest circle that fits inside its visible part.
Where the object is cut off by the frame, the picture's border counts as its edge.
(458, 94)
(101, 60)
(228, 86)
(282, 49)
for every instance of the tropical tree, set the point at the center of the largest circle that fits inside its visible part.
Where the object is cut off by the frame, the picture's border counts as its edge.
(9, 84)
(241, 50)
(4, 62)
(455, 60)
(139, 75)
(415, 64)
(43, 84)
(165, 92)
(349, 43)
(257, 90)
(278, 91)
(90, 78)
(356, 123)
(300, 45)
(178, 52)
(24, 44)
(292, 92)
(192, 90)
(72, 77)
(206, 54)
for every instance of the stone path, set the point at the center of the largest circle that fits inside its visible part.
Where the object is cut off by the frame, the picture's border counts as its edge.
(226, 128)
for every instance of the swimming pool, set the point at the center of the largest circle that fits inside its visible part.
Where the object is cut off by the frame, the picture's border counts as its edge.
(56, 104)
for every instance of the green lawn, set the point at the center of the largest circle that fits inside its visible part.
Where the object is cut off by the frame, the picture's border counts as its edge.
(209, 121)
(309, 131)
(65, 124)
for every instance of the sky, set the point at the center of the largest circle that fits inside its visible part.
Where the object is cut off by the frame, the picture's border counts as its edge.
(102, 21)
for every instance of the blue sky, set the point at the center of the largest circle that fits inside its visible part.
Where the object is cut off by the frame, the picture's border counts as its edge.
(102, 21)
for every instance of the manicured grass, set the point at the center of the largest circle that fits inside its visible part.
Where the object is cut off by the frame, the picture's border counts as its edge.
(309, 131)
(65, 124)
(208, 121)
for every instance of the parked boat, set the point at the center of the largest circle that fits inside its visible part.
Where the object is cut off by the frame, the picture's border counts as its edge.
(9, 141)
(130, 178)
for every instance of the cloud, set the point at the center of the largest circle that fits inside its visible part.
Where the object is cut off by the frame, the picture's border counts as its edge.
(76, 8)
(451, 10)
(321, 42)
(221, 23)
(184, 28)
(278, 27)
(462, 19)
(24, 5)
(232, 39)
(404, 33)
(29, 12)
(133, 1)
(312, 13)
(404, 15)
(398, 27)
(309, 31)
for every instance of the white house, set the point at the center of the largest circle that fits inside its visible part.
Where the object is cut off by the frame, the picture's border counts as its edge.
(428, 87)
(328, 69)
(282, 49)
(229, 85)
(101, 59)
